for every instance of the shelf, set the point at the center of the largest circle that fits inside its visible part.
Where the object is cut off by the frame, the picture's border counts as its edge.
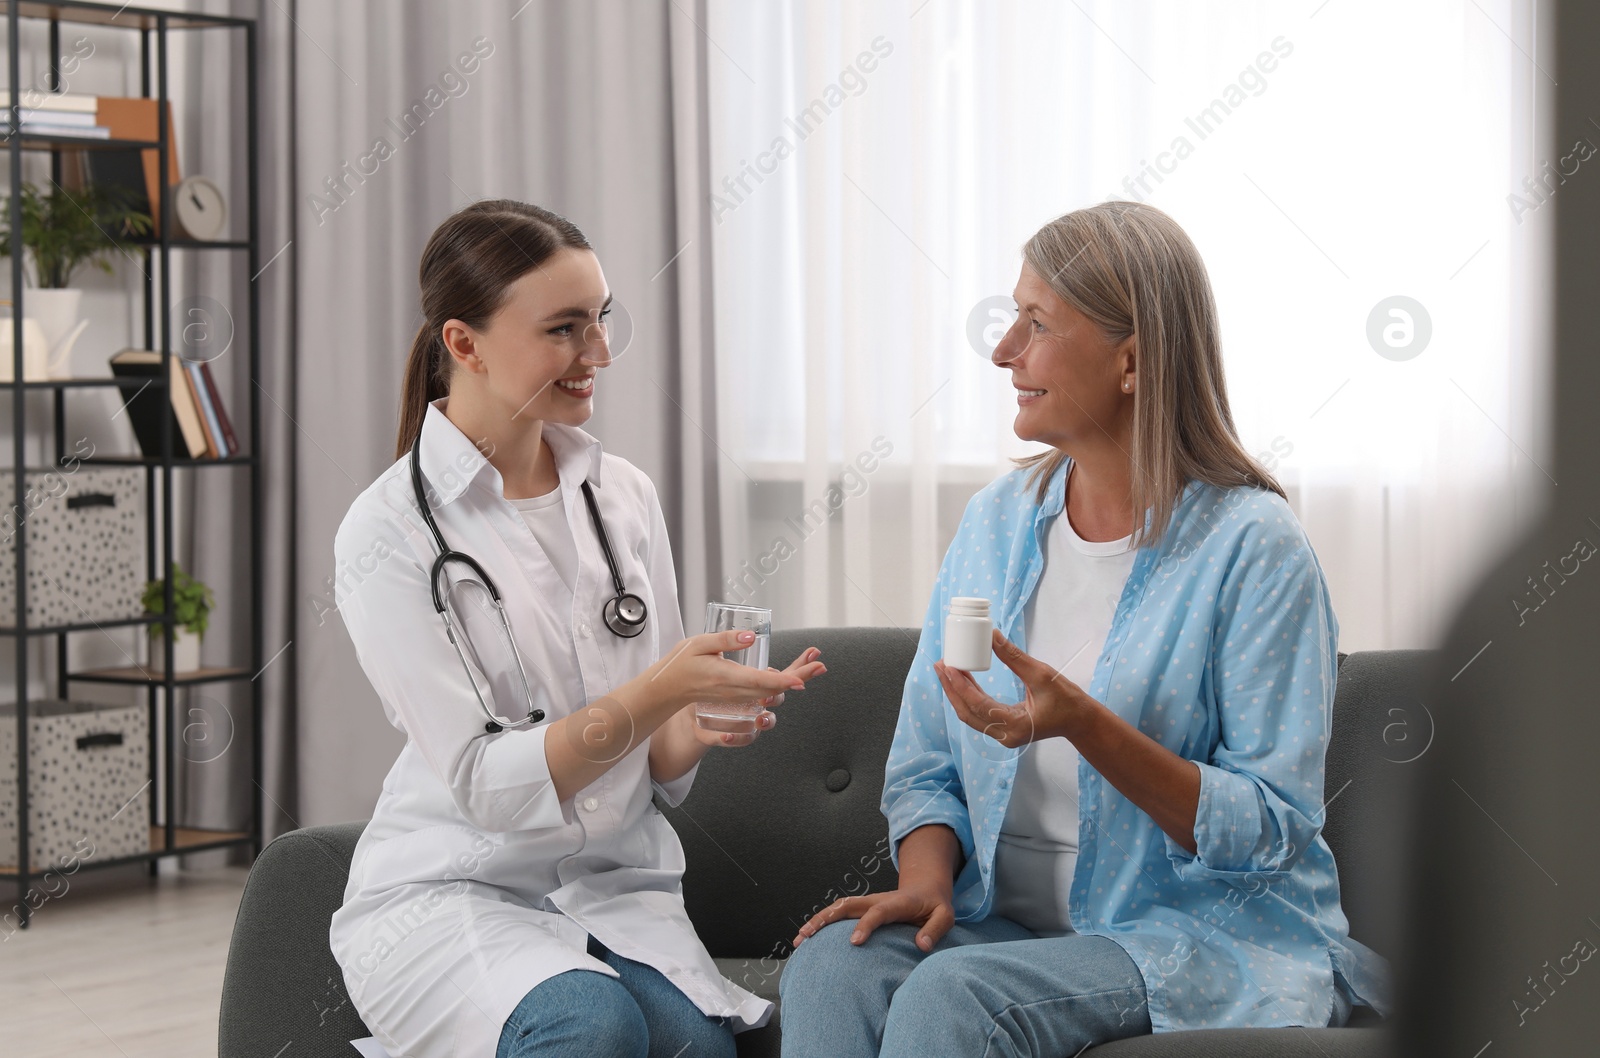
(151, 66)
(87, 626)
(186, 839)
(138, 674)
(122, 16)
(177, 461)
(148, 243)
(33, 141)
(74, 383)
(86, 380)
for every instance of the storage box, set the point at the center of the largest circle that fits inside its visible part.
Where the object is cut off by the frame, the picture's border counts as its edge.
(86, 541)
(88, 782)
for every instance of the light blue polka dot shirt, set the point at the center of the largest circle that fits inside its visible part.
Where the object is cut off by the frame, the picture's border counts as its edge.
(1223, 648)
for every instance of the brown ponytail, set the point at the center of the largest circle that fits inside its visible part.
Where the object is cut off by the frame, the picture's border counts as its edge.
(422, 384)
(467, 267)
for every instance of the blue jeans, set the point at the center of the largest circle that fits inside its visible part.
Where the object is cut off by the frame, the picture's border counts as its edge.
(988, 988)
(583, 1014)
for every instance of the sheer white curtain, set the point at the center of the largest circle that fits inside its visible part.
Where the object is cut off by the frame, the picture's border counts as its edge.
(877, 166)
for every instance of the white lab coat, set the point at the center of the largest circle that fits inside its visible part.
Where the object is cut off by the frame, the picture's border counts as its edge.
(473, 883)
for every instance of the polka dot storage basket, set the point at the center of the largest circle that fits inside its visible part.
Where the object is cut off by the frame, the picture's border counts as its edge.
(88, 794)
(86, 539)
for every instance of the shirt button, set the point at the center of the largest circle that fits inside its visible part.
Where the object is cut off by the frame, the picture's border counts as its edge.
(591, 803)
(585, 631)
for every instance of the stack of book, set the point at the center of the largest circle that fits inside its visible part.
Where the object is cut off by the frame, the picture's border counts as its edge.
(61, 114)
(200, 423)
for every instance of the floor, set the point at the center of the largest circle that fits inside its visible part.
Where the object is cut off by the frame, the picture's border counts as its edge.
(118, 964)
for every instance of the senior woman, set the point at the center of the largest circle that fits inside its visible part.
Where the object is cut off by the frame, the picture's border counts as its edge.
(1118, 830)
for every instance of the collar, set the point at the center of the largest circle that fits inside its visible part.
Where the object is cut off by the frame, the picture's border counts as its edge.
(451, 463)
(1055, 499)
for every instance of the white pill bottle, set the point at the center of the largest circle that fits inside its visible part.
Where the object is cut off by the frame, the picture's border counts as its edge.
(968, 642)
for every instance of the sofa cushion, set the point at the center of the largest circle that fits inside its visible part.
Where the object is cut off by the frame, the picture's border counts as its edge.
(779, 829)
(282, 984)
(1251, 1043)
(1381, 726)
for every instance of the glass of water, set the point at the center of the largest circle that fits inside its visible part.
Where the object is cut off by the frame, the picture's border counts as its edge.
(731, 617)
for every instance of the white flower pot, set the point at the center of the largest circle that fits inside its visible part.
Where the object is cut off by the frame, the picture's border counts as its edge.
(58, 312)
(185, 652)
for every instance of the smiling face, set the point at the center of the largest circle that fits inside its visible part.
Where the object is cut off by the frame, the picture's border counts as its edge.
(1069, 378)
(538, 355)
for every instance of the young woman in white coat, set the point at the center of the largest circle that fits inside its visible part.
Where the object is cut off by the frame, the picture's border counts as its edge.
(517, 893)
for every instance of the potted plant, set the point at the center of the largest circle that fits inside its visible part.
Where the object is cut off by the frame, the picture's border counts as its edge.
(192, 602)
(64, 230)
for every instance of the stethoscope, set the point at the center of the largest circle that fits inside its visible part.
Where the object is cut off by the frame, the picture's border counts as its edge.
(625, 613)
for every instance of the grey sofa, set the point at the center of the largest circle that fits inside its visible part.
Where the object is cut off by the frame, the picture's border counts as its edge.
(778, 830)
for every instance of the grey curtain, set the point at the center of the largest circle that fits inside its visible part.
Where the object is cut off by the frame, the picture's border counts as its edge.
(689, 487)
(214, 787)
(592, 110)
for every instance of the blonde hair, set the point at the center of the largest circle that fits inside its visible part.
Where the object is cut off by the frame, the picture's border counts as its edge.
(1132, 270)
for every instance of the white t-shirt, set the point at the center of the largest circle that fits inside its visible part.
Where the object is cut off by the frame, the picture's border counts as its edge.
(547, 518)
(1066, 623)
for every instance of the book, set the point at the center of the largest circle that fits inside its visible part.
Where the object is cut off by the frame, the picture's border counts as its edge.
(195, 391)
(215, 445)
(139, 367)
(134, 119)
(94, 132)
(56, 117)
(216, 404)
(119, 169)
(185, 404)
(67, 101)
(132, 169)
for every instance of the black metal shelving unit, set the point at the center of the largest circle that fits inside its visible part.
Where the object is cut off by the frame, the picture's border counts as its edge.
(153, 27)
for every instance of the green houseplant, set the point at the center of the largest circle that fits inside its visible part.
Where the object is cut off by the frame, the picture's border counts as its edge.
(192, 602)
(67, 229)
(63, 230)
